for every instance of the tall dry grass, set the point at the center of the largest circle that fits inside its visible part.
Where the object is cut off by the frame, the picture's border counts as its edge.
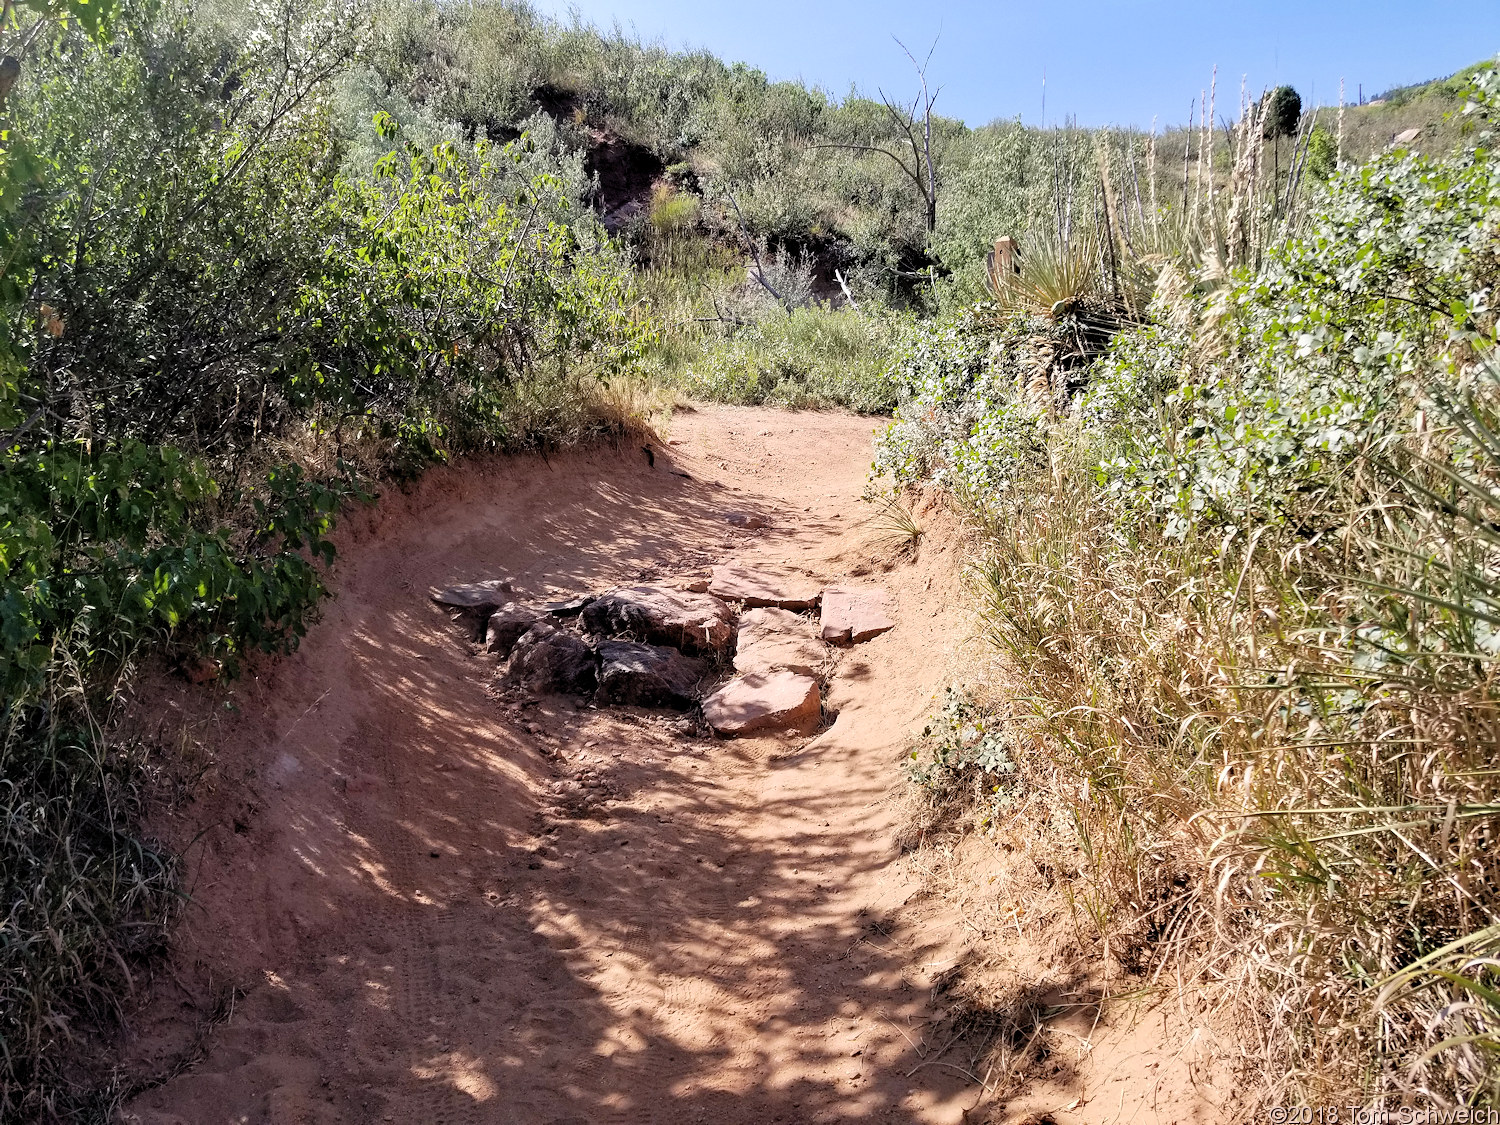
(1278, 759)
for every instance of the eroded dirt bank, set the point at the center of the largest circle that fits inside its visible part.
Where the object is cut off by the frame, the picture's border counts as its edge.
(404, 933)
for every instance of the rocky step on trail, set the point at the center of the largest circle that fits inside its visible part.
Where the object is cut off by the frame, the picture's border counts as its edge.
(666, 646)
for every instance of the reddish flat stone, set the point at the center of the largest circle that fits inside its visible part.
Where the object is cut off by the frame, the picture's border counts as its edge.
(761, 701)
(773, 640)
(763, 587)
(853, 614)
(486, 596)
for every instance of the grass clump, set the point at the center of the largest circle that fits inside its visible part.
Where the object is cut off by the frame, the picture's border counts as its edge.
(811, 357)
(1242, 575)
(87, 898)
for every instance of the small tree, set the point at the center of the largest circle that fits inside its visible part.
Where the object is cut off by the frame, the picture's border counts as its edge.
(913, 123)
(1322, 153)
(1283, 112)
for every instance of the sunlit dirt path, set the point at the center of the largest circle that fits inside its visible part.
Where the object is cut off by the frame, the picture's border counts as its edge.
(388, 924)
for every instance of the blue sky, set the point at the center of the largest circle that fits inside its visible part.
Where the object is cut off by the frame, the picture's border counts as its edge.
(1107, 63)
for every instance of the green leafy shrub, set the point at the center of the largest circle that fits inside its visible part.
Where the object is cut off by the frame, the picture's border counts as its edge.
(967, 420)
(219, 328)
(963, 747)
(1322, 153)
(1335, 340)
(451, 314)
(1247, 588)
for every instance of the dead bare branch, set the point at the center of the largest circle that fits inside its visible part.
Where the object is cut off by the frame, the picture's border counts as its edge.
(760, 270)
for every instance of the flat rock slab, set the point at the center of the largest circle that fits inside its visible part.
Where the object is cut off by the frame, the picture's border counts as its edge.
(548, 661)
(509, 624)
(852, 614)
(694, 623)
(773, 640)
(490, 595)
(471, 603)
(570, 608)
(758, 587)
(764, 701)
(647, 675)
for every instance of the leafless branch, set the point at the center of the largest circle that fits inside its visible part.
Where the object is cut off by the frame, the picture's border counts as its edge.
(760, 270)
(908, 121)
(11, 438)
(838, 275)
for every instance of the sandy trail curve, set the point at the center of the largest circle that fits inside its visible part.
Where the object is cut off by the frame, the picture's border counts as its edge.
(397, 930)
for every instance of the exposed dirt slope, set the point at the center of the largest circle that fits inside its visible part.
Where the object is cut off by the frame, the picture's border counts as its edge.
(393, 921)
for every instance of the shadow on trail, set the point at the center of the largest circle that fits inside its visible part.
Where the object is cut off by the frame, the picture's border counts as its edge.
(437, 951)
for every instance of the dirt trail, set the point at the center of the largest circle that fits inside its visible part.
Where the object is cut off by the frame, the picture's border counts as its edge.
(407, 934)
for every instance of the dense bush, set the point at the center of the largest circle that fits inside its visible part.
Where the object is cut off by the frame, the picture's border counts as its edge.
(966, 420)
(1248, 574)
(454, 311)
(219, 326)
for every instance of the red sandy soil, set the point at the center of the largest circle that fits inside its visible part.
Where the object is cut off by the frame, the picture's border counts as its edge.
(392, 921)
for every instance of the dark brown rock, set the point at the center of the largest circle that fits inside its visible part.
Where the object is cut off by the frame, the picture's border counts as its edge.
(548, 661)
(570, 608)
(509, 624)
(694, 623)
(647, 675)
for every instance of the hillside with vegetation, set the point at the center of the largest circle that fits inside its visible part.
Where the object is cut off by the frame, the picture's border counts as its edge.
(1221, 429)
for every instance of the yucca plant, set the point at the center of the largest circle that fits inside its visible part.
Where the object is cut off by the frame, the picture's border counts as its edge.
(896, 521)
(1055, 277)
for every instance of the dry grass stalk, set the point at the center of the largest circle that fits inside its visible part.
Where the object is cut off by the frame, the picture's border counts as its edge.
(1151, 172)
(1339, 147)
(1194, 718)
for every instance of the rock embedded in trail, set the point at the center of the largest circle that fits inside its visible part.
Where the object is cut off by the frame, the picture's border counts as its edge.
(647, 675)
(853, 614)
(776, 639)
(548, 661)
(761, 624)
(747, 520)
(695, 623)
(509, 624)
(762, 701)
(472, 602)
(491, 594)
(758, 587)
(570, 608)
